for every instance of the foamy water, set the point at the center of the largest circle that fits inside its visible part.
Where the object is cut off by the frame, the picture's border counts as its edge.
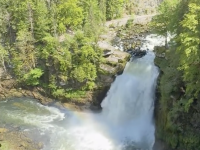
(125, 123)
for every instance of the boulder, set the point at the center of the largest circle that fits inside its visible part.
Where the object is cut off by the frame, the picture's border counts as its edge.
(137, 52)
(107, 52)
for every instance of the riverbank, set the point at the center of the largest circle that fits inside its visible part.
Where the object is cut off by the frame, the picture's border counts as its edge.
(68, 128)
(114, 64)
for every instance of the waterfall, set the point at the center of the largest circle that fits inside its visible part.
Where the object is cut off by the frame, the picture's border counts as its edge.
(130, 102)
(125, 123)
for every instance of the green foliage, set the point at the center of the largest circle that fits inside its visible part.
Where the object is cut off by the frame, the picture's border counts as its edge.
(178, 120)
(69, 14)
(130, 6)
(129, 23)
(94, 17)
(3, 56)
(84, 72)
(41, 21)
(75, 94)
(58, 93)
(24, 56)
(114, 9)
(189, 49)
(68, 94)
(190, 140)
(5, 145)
(53, 44)
(62, 58)
(162, 22)
(32, 77)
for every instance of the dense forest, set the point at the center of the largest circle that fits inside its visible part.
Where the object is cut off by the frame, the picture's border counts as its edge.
(178, 111)
(53, 43)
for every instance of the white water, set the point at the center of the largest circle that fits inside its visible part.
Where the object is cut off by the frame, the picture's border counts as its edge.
(125, 123)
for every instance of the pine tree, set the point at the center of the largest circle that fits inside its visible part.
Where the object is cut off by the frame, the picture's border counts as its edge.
(70, 14)
(114, 9)
(162, 23)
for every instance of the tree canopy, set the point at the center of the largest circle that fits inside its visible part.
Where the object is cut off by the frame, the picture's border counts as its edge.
(180, 88)
(52, 43)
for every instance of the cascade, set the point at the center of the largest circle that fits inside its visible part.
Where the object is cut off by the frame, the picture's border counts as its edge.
(125, 123)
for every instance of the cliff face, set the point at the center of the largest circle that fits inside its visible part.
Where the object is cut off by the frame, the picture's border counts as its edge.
(146, 6)
(177, 119)
(143, 7)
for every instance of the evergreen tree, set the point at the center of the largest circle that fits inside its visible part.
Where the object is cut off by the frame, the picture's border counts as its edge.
(180, 88)
(162, 23)
(114, 8)
(69, 14)
(189, 40)
(52, 43)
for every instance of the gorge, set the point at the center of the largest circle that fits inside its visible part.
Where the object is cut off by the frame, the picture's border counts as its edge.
(65, 83)
(125, 123)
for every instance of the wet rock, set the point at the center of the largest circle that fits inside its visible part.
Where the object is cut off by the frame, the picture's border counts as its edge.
(106, 46)
(106, 79)
(71, 106)
(160, 145)
(137, 52)
(107, 53)
(160, 51)
(114, 63)
(94, 108)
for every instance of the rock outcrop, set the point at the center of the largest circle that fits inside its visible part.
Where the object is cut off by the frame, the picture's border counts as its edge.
(17, 140)
(113, 65)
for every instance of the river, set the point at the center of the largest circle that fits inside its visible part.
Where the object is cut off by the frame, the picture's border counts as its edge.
(125, 123)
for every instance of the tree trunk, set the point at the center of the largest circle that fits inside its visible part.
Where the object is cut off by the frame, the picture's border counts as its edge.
(30, 17)
(166, 43)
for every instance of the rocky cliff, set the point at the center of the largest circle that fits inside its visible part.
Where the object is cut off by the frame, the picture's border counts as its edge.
(146, 6)
(177, 120)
